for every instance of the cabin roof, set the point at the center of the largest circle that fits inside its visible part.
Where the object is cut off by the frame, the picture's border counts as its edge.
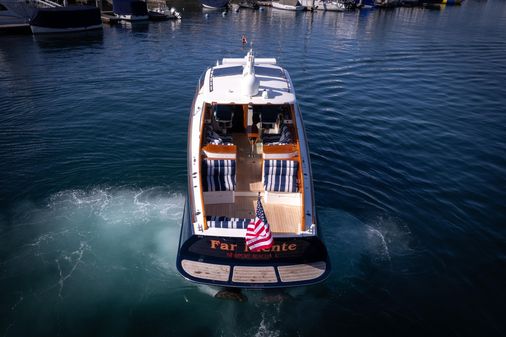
(223, 83)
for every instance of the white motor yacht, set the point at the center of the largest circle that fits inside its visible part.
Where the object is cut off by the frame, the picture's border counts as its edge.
(249, 165)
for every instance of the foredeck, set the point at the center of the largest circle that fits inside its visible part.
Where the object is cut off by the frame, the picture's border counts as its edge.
(223, 83)
(282, 218)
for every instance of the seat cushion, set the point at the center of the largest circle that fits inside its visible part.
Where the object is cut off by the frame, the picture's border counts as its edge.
(280, 175)
(283, 137)
(286, 135)
(218, 175)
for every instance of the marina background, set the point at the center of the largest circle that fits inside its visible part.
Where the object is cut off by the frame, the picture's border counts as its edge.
(404, 113)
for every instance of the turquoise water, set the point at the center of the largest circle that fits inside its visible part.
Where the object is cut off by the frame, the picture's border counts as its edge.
(404, 111)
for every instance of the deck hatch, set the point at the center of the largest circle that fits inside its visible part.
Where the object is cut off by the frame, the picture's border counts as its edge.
(227, 71)
(270, 72)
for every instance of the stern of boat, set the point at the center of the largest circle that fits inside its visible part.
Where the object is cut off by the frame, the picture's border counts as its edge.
(226, 262)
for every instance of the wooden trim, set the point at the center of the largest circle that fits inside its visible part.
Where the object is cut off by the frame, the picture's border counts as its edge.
(199, 158)
(245, 115)
(278, 149)
(216, 148)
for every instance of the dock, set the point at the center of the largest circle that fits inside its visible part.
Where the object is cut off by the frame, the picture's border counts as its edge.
(109, 17)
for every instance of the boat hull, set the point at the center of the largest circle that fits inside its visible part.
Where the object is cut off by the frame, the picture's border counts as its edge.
(214, 4)
(66, 20)
(226, 262)
(46, 30)
(287, 7)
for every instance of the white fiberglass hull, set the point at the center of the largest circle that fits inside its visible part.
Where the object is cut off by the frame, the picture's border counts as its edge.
(287, 7)
(232, 124)
(332, 6)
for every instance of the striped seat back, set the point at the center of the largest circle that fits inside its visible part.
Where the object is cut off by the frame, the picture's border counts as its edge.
(280, 175)
(226, 222)
(218, 175)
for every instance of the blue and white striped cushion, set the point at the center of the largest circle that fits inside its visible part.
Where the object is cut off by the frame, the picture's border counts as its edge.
(280, 175)
(225, 222)
(214, 138)
(218, 175)
(283, 137)
(286, 135)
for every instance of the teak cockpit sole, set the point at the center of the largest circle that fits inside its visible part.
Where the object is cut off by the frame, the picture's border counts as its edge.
(282, 218)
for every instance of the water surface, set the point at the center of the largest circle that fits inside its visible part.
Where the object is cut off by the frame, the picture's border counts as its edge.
(404, 111)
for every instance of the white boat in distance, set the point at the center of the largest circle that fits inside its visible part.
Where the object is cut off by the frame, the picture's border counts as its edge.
(290, 5)
(246, 145)
(335, 5)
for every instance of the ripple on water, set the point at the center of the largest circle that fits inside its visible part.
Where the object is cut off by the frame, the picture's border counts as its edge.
(404, 114)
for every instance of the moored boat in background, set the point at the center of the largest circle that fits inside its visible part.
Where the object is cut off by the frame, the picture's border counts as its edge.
(290, 5)
(251, 4)
(335, 5)
(387, 3)
(214, 4)
(162, 12)
(129, 10)
(65, 19)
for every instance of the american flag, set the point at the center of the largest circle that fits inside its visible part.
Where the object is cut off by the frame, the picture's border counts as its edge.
(258, 234)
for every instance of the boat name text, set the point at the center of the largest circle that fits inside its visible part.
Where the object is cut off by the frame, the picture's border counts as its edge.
(223, 246)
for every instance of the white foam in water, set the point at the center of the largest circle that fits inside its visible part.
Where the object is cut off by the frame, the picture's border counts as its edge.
(265, 327)
(120, 244)
(349, 241)
(208, 290)
(101, 239)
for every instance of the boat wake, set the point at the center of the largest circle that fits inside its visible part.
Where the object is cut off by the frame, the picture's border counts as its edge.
(106, 243)
(357, 247)
(83, 248)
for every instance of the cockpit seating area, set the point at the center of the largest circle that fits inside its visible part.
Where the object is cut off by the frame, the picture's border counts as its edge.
(233, 173)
